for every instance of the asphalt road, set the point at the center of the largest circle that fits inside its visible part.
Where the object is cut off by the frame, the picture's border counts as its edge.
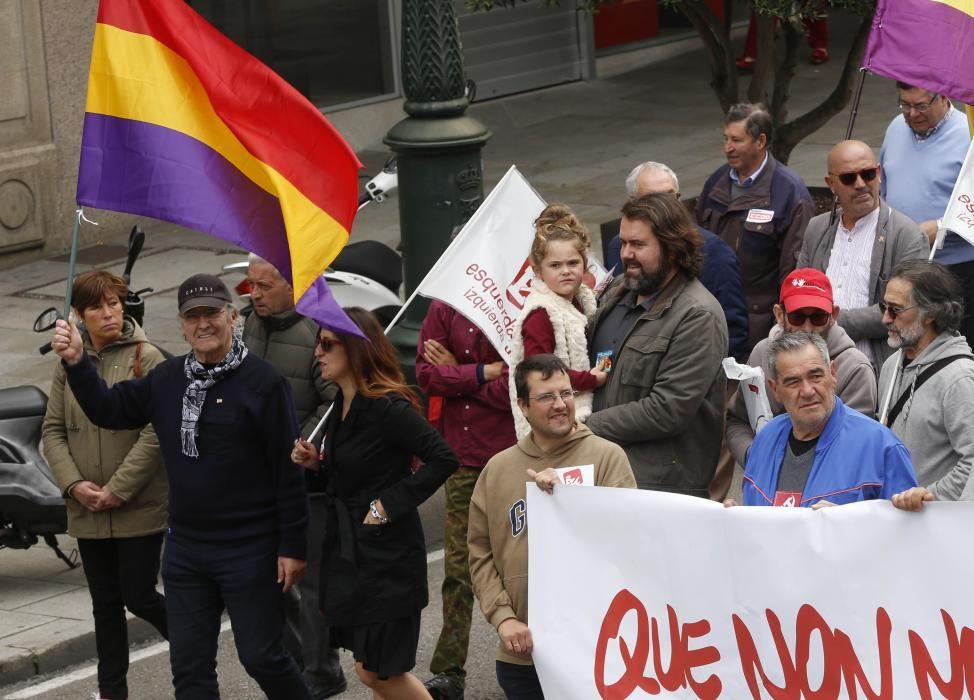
(149, 677)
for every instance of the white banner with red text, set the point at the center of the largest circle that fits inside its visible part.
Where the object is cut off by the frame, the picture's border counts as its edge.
(959, 216)
(638, 594)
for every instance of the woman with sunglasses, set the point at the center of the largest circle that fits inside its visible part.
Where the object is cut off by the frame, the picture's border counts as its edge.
(373, 572)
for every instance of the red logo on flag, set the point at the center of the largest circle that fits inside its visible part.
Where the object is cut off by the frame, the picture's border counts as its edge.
(518, 290)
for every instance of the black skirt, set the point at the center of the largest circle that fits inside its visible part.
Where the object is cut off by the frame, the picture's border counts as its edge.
(385, 648)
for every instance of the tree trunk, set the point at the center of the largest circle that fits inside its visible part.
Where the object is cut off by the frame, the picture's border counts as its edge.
(759, 91)
(784, 73)
(790, 134)
(716, 38)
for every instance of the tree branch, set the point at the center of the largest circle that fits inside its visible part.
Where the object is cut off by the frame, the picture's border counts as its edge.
(716, 38)
(790, 134)
(764, 69)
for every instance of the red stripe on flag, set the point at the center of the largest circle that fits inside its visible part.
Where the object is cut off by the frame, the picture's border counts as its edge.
(272, 120)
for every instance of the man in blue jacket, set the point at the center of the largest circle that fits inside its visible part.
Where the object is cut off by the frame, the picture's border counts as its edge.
(721, 273)
(819, 453)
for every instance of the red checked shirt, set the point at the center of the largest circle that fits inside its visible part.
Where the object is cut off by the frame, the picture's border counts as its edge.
(476, 419)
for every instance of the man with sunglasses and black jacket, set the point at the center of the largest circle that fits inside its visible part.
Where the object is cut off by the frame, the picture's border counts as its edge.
(807, 305)
(859, 246)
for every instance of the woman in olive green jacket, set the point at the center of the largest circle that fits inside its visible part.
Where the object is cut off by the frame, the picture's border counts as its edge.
(113, 481)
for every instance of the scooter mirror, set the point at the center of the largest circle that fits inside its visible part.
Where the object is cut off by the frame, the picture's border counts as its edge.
(46, 320)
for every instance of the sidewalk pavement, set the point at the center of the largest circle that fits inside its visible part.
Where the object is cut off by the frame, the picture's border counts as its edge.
(575, 143)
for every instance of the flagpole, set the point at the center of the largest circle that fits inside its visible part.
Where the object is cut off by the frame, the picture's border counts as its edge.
(849, 128)
(72, 259)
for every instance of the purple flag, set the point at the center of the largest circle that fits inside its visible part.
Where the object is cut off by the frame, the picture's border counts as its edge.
(925, 43)
(319, 304)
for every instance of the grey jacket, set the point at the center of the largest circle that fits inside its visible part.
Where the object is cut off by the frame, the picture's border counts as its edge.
(898, 238)
(665, 393)
(287, 341)
(935, 423)
(855, 385)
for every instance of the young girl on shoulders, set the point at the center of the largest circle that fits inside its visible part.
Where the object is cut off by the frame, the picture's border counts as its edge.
(558, 308)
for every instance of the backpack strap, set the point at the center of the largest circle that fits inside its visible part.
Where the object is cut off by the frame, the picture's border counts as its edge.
(921, 378)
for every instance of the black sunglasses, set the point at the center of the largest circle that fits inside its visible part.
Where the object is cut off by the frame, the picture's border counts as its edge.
(867, 175)
(893, 311)
(328, 343)
(818, 317)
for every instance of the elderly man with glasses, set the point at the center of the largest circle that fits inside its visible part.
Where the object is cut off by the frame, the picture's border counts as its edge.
(807, 305)
(859, 247)
(921, 156)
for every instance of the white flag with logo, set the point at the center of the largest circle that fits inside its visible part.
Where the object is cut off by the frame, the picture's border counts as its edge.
(959, 216)
(485, 274)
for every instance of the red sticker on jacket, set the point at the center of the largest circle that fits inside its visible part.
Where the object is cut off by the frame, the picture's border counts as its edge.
(787, 499)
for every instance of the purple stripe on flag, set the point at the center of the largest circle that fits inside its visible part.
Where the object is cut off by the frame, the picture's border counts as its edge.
(924, 43)
(319, 304)
(150, 170)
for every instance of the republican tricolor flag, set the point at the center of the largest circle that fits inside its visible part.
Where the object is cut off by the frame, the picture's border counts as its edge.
(183, 125)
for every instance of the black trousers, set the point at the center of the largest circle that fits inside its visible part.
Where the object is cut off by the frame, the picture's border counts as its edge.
(121, 573)
(518, 682)
(964, 272)
(204, 578)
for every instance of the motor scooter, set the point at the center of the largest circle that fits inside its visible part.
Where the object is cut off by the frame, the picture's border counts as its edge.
(366, 273)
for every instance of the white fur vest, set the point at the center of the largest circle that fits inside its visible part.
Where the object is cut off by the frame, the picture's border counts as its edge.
(568, 324)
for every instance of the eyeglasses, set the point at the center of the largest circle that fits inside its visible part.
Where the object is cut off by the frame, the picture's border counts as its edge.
(919, 106)
(201, 312)
(893, 311)
(867, 175)
(817, 317)
(549, 398)
(328, 344)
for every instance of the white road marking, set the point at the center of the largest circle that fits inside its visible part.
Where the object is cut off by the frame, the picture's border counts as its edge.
(149, 651)
(88, 671)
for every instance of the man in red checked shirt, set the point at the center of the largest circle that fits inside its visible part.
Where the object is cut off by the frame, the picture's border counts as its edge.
(455, 361)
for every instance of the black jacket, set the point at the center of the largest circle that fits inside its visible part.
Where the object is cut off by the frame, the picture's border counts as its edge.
(244, 484)
(377, 573)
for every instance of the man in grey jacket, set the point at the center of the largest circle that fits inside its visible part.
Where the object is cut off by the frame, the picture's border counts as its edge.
(807, 305)
(286, 339)
(928, 386)
(859, 249)
(665, 336)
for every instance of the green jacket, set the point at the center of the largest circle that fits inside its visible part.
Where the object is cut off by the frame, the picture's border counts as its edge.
(127, 461)
(287, 341)
(665, 393)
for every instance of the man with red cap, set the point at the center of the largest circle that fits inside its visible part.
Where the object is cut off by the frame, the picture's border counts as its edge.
(806, 304)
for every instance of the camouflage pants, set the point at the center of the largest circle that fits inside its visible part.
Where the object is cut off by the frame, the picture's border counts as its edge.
(451, 648)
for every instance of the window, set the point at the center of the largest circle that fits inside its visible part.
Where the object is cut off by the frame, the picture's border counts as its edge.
(335, 52)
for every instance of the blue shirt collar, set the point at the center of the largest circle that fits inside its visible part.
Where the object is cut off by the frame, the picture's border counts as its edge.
(754, 176)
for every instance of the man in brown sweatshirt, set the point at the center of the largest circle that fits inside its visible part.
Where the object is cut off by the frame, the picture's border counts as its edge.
(497, 533)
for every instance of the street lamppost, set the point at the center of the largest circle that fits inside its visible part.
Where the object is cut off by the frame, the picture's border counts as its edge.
(438, 151)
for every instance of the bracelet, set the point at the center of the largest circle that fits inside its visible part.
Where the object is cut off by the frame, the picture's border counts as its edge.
(376, 514)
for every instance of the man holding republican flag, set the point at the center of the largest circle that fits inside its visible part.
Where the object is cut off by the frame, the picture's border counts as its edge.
(184, 126)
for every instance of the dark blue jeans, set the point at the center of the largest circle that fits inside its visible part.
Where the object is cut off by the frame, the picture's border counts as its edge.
(519, 682)
(121, 573)
(203, 578)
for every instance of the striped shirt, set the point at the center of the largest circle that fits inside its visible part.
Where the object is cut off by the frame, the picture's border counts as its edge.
(849, 265)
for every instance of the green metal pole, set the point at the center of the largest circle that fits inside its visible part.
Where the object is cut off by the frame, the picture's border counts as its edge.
(438, 148)
(72, 259)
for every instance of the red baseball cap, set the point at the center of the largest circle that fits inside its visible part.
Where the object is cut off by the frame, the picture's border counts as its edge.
(804, 288)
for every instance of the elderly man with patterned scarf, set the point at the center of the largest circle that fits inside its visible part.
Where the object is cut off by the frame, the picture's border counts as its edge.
(237, 508)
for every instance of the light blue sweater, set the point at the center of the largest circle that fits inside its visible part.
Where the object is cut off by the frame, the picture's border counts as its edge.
(919, 176)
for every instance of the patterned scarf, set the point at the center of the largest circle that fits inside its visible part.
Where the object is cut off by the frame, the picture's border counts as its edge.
(200, 379)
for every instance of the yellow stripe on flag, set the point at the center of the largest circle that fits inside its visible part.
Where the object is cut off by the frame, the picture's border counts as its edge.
(133, 76)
